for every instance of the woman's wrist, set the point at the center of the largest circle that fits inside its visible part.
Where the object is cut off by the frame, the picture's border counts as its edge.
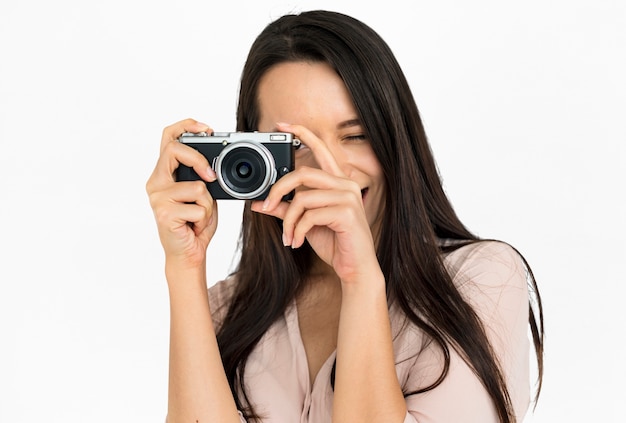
(368, 283)
(183, 273)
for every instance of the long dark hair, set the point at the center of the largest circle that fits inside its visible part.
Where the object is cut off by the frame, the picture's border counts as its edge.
(417, 215)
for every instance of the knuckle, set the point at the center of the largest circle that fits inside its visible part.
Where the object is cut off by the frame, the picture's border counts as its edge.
(169, 148)
(306, 171)
(354, 189)
(351, 213)
(151, 185)
(162, 215)
(300, 196)
(153, 188)
(199, 188)
(148, 187)
(154, 199)
(353, 185)
(206, 212)
(169, 130)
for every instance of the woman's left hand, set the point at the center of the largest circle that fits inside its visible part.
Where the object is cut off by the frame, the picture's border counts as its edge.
(327, 210)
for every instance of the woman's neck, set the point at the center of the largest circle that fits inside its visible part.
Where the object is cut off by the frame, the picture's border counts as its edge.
(321, 282)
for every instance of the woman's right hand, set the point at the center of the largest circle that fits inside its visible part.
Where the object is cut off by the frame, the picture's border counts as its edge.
(185, 212)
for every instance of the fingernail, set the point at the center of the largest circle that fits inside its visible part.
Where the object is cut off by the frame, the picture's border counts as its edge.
(285, 240)
(266, 204)
(211, 173)
(283, 124)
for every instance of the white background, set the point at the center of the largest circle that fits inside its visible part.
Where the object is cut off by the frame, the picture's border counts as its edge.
(523, 102)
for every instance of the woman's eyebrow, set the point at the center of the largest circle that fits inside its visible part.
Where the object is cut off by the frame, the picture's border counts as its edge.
(349, 123)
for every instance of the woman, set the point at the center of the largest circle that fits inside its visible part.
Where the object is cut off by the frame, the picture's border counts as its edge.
(362, 299)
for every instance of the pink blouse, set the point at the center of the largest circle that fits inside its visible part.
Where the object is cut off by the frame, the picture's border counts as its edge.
(490, 275)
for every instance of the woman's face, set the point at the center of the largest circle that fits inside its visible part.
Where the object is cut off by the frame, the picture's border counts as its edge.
(311, 94)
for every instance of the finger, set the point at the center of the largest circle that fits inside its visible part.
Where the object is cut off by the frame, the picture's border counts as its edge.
(171, 135)
(310, 178)
(317, 217)
(208, 220)
(176, 216)
(322, 154)
(194, 192)
(188, 192)
(174, 131)
(278, 211)
(175, 154)
(315, 199)
(340, 219)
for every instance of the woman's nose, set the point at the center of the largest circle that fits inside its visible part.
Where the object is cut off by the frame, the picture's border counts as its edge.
(342, 158)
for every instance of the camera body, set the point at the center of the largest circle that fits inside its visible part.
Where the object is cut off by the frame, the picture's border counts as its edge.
(247, 164)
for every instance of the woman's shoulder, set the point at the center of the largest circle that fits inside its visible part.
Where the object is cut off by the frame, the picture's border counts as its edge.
(486, 262)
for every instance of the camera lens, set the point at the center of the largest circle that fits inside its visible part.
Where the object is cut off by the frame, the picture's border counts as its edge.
(245, 169)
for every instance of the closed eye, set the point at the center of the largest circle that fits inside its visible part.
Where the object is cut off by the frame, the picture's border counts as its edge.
(357, 137)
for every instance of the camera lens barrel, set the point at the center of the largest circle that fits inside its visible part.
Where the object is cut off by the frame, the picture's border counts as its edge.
(245, 169)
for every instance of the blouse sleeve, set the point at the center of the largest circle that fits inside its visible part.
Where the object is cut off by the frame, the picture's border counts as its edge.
(492, 278)
(219, 299)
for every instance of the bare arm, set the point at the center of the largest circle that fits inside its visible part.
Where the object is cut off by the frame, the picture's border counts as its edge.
(198, 389)
(186, 217)
(366, 384)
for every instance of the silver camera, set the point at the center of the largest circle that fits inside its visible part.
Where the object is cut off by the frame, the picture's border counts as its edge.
(247, 164)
